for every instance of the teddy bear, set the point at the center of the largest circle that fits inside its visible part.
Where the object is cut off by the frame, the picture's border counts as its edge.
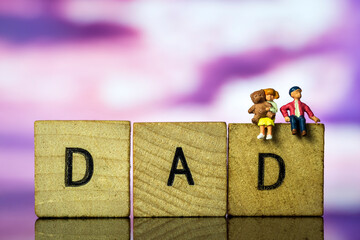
(259, 107)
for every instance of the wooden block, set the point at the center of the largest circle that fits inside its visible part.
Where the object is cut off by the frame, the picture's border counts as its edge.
(180, 228)
(100, 189)
(159, 147)
(82, 229)
(293, 178)
(276, 228)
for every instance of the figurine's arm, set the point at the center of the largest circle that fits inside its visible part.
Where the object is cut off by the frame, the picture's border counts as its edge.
(310, 113)
(273, 107)
(269, 113)
(284, 110)
(315, 119)
(252, 109)
(308, 110)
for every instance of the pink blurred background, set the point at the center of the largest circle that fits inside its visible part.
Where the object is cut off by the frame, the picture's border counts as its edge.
(176, 60)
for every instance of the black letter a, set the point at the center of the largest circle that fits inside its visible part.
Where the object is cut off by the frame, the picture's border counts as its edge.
(69, 167)
(179, 154)
(281, 177)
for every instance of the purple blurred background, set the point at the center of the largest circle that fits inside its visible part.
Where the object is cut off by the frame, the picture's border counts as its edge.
(176, 60)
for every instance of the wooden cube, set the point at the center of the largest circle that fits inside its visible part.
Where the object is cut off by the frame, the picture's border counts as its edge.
(82, 168)
(82, 229)
(180, 169)
(279, 177)
(260, 228)
(180, 228)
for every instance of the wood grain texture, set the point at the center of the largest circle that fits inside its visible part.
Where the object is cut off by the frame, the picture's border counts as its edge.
(301, 192)
(180, 228)
(204, 147)
(107, 194)
(82, 229)
(281, 228)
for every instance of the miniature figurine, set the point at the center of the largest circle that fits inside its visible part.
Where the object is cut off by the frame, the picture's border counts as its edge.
(268, 123)
(297, 110)
(260, 107)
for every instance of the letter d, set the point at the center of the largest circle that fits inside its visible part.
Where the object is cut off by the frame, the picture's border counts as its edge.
(69, 167)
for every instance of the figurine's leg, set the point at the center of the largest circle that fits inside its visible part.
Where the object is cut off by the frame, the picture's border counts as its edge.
(269, 132)
(293, 123)
(302, 123)
(262, 132)
(262, 129)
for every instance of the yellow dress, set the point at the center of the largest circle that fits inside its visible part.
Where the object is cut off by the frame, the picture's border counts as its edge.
(266, 122)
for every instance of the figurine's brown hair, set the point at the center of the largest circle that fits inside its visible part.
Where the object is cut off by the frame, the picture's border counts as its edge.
(270, 91)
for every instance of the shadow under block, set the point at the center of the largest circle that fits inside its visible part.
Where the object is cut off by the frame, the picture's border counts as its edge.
(263, 228)
(88, 229)
(300, 193)
(180, 228)
(107, 193)
(203, 145)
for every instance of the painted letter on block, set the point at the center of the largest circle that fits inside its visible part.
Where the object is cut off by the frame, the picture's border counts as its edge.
(179, 155)
(279, 177)
(162, 187)
(69, 182)
(82, 168)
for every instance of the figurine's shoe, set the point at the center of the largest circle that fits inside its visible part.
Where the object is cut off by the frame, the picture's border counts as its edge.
(294, 131)
(260, 136)
(268, 137)
(303, 133)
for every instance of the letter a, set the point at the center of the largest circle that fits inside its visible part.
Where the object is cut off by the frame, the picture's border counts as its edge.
(69, 167)
(179, 154)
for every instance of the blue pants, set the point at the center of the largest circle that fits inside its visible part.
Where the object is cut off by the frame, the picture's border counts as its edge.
(298, 122)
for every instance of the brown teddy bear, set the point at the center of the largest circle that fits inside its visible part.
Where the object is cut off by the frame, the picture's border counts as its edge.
(259, 107)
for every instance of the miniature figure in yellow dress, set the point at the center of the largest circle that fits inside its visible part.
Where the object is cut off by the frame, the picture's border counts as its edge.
(266, 122)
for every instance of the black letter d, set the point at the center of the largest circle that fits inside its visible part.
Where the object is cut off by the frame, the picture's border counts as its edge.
(281, 177)
(69, 167)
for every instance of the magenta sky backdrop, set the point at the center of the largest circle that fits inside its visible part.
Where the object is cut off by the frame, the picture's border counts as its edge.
(144, 60)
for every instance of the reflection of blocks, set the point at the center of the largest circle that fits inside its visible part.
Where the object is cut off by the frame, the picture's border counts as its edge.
(296, 191)
(100, 189)
(203, 146)
(82, 229)
(276, 228)
(180, 228)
